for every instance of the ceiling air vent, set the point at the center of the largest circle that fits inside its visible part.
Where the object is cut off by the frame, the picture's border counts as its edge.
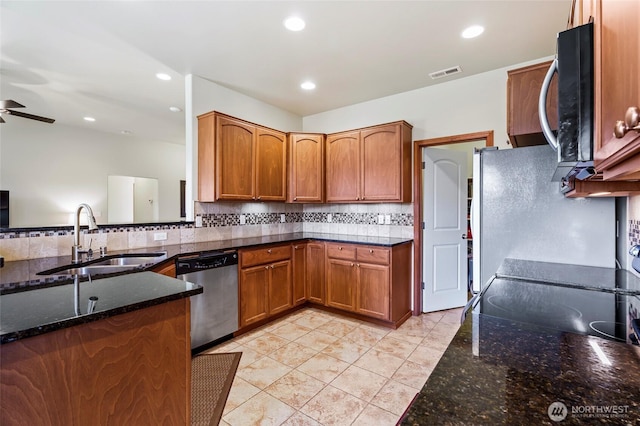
(445, 73)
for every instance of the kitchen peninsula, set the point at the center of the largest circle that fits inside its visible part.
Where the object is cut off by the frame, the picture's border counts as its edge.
(116, 348)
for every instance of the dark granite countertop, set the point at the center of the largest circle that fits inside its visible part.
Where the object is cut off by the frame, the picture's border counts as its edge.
(41, 310)
(23, 274)
(498, 371)
(540, 338)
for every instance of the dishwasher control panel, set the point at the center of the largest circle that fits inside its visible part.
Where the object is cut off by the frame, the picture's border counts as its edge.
(206, 261)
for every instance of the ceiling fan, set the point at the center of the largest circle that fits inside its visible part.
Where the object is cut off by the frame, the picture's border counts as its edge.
(6, 108)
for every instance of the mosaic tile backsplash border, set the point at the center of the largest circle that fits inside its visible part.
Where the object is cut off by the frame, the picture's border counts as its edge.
(634, 232)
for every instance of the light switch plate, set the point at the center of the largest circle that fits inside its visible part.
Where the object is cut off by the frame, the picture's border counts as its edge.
(198, 221)
(380, 219)
(387, 219)
(282, 218)
(159, 236)
(329, 218)
(243, 219)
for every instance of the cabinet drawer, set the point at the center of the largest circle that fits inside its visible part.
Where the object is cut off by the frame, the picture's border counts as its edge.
(373, 255)
(264, 255)
(341, 251)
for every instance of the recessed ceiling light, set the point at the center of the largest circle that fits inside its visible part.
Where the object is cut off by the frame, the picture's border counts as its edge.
(473, 31)
(308, 85)
(174, 109)
(91, 119)
(163, 76)
(126, 132)
(294, 23)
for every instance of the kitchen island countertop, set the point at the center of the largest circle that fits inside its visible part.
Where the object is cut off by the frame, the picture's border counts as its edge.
(498, 371)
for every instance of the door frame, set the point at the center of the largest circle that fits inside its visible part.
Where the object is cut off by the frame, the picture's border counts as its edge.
(487, 136)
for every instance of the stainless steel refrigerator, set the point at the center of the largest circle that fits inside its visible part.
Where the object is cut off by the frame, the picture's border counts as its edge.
(519, 213)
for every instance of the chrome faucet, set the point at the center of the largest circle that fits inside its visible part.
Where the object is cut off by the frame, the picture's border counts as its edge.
(76, 252)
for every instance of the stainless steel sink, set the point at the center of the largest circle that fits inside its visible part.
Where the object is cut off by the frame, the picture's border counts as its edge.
(111, 265)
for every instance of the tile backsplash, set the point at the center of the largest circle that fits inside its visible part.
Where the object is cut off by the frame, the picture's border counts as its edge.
(217, 221)
(633, 213)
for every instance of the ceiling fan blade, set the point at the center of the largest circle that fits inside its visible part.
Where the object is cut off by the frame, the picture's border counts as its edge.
(31, 116)
(10, 104)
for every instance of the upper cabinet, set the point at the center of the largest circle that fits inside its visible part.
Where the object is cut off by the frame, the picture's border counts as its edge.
(617, 84)
(238, 160)
(523, 91)
(306, 168)
(370, 165)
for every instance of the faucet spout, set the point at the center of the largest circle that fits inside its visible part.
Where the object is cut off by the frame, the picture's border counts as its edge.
(76, 252)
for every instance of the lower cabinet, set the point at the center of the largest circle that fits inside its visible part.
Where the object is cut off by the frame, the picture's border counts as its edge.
(341, 284)
(371, 281)
(315, 273)
(265, 283)
(299, 258)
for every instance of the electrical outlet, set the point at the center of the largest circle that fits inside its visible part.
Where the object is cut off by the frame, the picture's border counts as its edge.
(329, 218)
(159, 236)
(282, 218)
(387, 219)
(243, 219)
(380, 219)
(198, 221)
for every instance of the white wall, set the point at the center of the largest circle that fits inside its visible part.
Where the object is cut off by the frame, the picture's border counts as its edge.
(471, 104)
(50, 169)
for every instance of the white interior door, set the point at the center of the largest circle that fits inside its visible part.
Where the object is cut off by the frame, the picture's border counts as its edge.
(444, 243)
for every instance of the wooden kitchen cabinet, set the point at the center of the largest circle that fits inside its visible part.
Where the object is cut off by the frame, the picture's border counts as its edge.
(166, 268)
(265, 283)
(523, 92)
(238, 160)
(306, 167)
(315, 272)
(299, 262)
(372, 164)
(617, 84)
(370, 280)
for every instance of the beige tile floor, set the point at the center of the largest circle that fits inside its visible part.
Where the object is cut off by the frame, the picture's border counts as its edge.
(317, 368)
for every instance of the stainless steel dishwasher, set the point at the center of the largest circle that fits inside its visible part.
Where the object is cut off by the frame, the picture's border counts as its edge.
(214, 312)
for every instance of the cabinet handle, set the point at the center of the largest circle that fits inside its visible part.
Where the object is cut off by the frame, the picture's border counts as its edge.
(370, 251)
(266, 267)
(357, 198)
(631, 122)
(352, 264)
(295, 247)
(339, 248)
(295, 198)
(358, 265)
(259, 198)
(272, 266)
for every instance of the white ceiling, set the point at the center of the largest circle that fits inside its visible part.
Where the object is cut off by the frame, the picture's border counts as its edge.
(66, 60)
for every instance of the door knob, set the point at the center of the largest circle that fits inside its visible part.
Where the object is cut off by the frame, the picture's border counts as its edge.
(464, 236)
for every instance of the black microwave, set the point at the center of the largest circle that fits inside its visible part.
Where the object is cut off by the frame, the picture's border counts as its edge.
(574, 140)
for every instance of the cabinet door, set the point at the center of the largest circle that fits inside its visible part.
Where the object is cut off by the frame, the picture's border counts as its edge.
(206, 157)
(235, 141)
(523, 90)
(299, 273)
(372, 296)
(381, 170)
(271, 160)
(254, 295)
(306, 168)
(279, 286)
(341, 284)
(343, 167)
(617, 86)
(315, 274)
